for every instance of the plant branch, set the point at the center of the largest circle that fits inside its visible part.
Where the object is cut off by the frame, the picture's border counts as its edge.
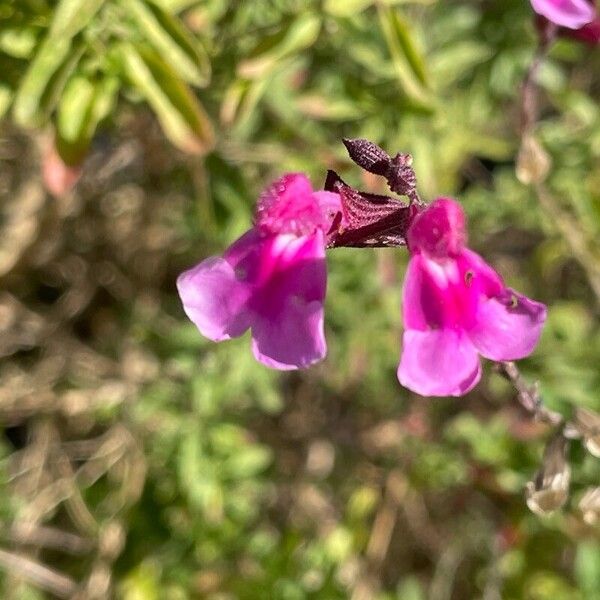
(529, 396)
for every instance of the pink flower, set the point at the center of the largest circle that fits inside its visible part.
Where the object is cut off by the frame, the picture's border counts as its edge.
(457, 307)
(272, 280)
(572, 14)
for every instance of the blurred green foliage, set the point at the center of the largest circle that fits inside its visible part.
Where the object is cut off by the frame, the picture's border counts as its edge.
(229, 480)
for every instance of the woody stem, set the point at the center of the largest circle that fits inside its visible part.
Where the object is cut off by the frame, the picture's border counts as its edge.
(529, 396)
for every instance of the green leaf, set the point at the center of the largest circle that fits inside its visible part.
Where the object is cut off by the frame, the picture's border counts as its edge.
(171, 40)
(74, 108)
(82, 107)
(176, 6)
(180, 114)
(346, 8)
(349, 8)
(457, 60)
(71, 17)
(54, 62)
(240, 100)
(318, 106)
(291, 39)
(44, 81)
(408, 62)
(248, 462)
(18, 41)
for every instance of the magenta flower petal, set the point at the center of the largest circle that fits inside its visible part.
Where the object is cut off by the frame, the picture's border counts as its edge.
(287, 330)
(446, 292)
(508, 326)
(288, 206)
(214, 299)
(478, 275)
(439, 231)
(567, 13)
(423, 299)
(439, 362)
(295, 340)
(272, 279)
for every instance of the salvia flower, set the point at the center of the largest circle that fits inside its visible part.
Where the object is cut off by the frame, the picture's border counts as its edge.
(272, 280)
(456, 307)
(572, 14)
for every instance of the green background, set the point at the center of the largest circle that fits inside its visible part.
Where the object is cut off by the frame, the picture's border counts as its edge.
(143, 462)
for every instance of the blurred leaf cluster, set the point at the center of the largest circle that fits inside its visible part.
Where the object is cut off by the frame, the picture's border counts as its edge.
(142, 462)
(68, 61)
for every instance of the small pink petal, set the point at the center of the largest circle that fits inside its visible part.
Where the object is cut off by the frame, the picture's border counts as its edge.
(439, 230)
(439, 362)
(214, 299)
(508, 327)
(288, 206)
(567, 13)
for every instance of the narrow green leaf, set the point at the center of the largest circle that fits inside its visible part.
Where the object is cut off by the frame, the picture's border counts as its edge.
(408, 45)
(176, 6)
(241, 99)
(349, 8)
(232, 100)
(71, 16)
(318, 106)
(171, 40)
(54, 62)
(409, 65)
(457, 60)
(82, 107)
(346, 8)
(104, 100)
(180, 114)
(74, 107)
(44, 80)
(293, 37)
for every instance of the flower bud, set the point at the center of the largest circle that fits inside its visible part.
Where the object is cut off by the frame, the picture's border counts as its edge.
(550, 489)
(533, 162)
